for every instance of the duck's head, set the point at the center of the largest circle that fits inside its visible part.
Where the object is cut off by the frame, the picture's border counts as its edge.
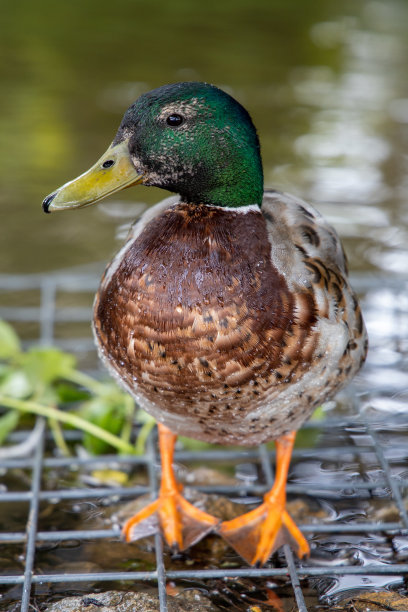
(190, 138)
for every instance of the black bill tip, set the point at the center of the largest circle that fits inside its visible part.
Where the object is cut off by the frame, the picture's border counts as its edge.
(47, 202)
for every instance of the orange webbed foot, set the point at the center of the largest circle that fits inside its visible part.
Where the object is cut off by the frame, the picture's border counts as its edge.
(257, 534)
(181, 523)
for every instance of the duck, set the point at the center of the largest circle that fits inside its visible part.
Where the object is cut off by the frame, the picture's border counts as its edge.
(228, 313)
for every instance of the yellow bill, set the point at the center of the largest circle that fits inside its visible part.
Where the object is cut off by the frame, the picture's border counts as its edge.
(111, 173)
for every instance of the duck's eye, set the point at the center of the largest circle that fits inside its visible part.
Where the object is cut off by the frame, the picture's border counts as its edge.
(174, 120)
(108, 163)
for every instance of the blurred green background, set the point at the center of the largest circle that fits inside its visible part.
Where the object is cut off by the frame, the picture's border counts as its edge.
(325, 82)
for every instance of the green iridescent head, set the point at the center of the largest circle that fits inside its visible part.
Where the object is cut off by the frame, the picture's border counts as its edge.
(190, 138)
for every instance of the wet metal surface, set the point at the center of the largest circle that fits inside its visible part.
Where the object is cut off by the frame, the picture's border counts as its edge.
(347, 489)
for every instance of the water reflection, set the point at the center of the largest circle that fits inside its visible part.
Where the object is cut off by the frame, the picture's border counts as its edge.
(326, 87)
(347, 143)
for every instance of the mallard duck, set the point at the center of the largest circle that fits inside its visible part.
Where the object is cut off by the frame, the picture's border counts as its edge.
(227, 314)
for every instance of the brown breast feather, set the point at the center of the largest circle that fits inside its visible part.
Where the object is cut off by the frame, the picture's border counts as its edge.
(196, 312)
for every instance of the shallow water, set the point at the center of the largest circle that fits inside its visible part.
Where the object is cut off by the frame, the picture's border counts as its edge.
(325, 82)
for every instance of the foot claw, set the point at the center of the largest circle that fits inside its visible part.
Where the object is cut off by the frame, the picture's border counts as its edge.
(174, 550)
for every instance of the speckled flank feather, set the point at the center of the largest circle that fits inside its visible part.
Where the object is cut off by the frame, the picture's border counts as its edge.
(230, 326)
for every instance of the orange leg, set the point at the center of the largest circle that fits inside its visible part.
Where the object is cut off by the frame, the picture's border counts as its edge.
(182, 523)
(257, 534)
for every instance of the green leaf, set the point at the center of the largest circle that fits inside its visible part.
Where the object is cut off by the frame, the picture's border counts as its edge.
(307, 438)
(144, 417)
(4, 369)
(194, 445)
(47, 396)
(105, 413)
(9, 341)
(45, 365)
(8, 422)
(319, 414)
(68, 393)
(16, 384)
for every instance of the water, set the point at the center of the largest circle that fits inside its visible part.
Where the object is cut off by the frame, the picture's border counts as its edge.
(325, 82)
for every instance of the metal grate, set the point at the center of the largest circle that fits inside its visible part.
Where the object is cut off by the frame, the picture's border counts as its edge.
(374, 438)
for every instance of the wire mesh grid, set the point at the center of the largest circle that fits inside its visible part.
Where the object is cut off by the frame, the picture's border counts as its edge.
(47, 314)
